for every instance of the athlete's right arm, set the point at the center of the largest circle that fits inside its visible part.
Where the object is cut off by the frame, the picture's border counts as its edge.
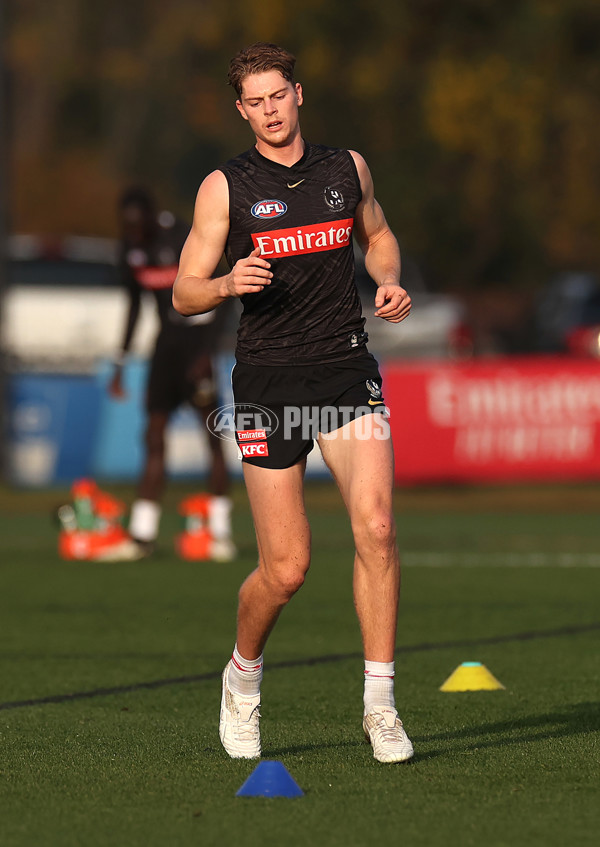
(196, 290)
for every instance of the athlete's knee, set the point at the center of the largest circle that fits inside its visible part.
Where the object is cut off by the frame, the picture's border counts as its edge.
(204, 395)
(288, 584)
(286, 576)
(375, 528)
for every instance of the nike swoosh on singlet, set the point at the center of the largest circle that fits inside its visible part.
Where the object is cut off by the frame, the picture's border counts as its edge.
(295, 184)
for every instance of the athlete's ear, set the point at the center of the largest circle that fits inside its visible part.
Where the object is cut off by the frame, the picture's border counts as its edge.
(241, 109)
(299, 95)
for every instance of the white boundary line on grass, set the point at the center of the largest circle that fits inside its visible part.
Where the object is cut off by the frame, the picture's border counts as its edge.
(500, 560)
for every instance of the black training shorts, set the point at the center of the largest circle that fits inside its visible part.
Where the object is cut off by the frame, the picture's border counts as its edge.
(280, 410)
(180, 372)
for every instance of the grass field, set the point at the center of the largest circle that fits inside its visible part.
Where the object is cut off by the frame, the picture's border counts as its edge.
(110, 687)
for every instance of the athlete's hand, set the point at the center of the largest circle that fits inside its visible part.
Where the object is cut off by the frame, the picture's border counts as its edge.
(249, 275)
(115, 387)
(392, 303)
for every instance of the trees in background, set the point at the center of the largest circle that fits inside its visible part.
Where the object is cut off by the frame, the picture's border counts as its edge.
(480, 119)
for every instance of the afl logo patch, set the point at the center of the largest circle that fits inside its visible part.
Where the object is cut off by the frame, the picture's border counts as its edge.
(269, 209)
(334, 199)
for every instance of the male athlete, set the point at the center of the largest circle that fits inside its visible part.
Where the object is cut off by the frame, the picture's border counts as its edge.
(180, 370)
(285, 213)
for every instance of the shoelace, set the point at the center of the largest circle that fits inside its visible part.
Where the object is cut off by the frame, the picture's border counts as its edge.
(248, 730)
(388, 733)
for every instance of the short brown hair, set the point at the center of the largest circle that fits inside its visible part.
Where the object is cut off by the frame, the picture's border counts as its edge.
(257, 59)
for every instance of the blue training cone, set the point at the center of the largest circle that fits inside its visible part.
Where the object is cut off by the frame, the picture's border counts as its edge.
(270, 779)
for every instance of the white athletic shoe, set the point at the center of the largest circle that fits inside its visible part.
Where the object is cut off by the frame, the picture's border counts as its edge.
(127, 550)
(238, 725)
(223, 550)
(383, 728)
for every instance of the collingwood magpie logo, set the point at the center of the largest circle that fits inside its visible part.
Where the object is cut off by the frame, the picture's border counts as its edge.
(334, 199)
(375, 391)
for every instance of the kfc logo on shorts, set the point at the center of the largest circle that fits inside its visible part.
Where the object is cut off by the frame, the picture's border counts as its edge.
(269, 209)
(251, 434)
(256, 449)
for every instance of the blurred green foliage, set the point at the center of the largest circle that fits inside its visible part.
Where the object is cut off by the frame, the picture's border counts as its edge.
(480, 119)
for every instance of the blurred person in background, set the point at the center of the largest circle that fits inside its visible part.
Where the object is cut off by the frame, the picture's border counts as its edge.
(285, 212)
(181, 369)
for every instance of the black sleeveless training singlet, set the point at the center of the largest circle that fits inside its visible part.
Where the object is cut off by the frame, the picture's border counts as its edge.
(302, 218)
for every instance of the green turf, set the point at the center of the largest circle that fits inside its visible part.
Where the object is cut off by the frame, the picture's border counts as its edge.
(142, 764)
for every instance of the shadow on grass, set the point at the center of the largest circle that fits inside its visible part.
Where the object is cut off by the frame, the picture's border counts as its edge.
(577, 719)
(306, 661)
(317, 746)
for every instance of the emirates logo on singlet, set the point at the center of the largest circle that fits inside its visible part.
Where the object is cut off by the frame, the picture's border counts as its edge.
(296, 241)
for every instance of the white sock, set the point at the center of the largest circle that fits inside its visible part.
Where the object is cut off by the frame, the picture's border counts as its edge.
(379, 685)
(219, 517)
(245, 675)
(144, 520)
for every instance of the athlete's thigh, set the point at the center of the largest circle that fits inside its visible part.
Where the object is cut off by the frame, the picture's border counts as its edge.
(361, 458)
(277, 501)
(162, 391)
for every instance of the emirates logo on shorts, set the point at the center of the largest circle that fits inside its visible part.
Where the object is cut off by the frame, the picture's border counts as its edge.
(251, 434)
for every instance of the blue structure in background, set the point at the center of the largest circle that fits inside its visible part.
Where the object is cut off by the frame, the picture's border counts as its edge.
(118, 446)
(116, 452)
(66, 426)
(53, 419)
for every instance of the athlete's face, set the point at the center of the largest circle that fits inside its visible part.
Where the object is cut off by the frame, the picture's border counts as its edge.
(270, 105)
(136, 223)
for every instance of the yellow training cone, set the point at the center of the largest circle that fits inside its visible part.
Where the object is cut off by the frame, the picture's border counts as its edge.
(471, 676)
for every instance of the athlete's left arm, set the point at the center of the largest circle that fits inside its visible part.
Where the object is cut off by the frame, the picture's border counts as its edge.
(382, 254)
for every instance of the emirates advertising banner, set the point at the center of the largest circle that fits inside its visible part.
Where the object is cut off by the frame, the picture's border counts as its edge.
(495, 420)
